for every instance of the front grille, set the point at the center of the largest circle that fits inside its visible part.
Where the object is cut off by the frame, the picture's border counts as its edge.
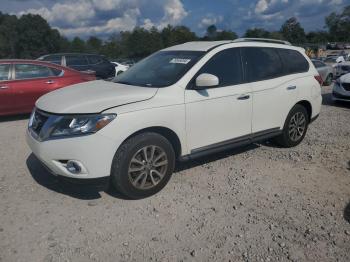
(39, 119)
(346, 86)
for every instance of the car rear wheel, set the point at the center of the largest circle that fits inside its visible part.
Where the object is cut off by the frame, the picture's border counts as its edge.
(295, 127)
(143, 165)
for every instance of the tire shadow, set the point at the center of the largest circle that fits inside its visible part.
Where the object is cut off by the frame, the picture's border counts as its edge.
(91, 189)
(57, 184)
(328, 101)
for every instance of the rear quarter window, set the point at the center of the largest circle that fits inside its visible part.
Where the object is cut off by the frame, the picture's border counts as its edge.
(293, 61)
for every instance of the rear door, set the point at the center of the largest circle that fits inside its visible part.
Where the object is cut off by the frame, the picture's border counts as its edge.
(6, 90)
(30, 82)
(274, 91)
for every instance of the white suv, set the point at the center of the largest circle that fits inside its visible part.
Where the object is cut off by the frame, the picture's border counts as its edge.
(177, 104)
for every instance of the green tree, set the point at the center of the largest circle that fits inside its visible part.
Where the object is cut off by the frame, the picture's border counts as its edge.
(8, 36)
(77, 45)
(317, 37)
(292, 31)
(35, 37)
(176, 35)
(257, 33)
(339, 25)
(226, 35)
(93, 44)
(211, 32)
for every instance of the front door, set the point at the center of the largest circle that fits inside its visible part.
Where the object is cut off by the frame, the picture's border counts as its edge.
(223, 113)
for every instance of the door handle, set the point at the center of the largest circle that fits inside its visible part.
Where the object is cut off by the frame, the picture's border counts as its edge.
(243, 97)
(50, 82)
(4, 87)
(291, 87)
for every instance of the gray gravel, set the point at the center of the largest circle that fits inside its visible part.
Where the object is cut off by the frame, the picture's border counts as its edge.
(260, 203)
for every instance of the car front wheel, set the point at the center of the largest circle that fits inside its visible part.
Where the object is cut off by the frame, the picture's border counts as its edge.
(143, 165)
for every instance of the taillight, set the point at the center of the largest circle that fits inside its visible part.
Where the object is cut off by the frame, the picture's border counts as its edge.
(319, 79)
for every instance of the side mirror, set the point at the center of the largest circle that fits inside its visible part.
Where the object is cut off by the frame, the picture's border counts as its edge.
(204, 81)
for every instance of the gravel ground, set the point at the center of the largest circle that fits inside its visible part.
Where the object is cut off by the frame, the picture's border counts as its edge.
(259, 203)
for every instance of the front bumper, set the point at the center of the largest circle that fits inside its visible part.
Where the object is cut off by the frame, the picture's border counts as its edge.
(95, 153)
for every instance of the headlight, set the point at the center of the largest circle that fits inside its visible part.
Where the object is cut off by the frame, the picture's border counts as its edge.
(80, 124)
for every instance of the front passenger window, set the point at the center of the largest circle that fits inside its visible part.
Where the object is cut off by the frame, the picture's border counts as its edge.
(226, 65)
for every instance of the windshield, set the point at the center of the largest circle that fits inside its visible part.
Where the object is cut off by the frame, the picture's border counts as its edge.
(161, 69)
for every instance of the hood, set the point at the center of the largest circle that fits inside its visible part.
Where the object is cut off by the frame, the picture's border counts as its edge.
(345, 78)
(92, 97)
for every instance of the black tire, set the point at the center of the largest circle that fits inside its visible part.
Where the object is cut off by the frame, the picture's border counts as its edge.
(328, 80)
(121, 178)
(286, 138)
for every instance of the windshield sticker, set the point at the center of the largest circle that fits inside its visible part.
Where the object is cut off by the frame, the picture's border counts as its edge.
(180, 61)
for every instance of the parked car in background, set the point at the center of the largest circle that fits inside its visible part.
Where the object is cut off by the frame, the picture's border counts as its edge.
(341, 88)
(83, 62)
(330, 60)
(326, 71)
(119, 68)
(342, 68)
(22, 82)
(180, 103)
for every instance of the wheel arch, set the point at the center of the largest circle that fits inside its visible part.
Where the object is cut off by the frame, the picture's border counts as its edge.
(169, 134)
(307, 106)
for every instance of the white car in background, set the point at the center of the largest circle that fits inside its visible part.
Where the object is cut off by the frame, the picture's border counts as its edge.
(180, 103)
(341, 88)
(119, 68)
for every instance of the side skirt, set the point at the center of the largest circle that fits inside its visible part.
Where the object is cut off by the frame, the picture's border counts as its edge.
(232, 143)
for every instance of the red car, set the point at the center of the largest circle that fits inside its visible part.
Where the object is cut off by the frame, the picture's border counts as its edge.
(22, 82)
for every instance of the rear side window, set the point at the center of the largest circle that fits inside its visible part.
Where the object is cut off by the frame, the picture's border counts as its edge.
(262, 63)
(76, 60)
(29, 71)
(293, 61)
(56, 59)
(4, 72)
(226, 65)
(95, 59)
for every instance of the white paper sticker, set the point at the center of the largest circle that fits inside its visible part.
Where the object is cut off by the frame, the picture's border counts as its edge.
(180, 61)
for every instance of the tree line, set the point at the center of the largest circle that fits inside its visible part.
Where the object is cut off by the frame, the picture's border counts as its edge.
(30, 36)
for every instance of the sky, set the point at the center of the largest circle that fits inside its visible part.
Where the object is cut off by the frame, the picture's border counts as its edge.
(105, 17)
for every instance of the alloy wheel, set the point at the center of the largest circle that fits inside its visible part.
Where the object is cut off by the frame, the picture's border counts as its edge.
(297, 126)
(147, 167)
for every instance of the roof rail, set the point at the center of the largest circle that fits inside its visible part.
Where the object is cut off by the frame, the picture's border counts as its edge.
(265, 40)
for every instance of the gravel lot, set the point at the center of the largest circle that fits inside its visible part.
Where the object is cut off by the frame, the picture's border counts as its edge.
(259, 203)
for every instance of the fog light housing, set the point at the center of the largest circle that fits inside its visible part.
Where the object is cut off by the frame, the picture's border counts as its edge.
(73, 167)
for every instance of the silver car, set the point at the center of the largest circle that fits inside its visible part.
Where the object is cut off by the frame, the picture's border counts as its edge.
(341, 88)
(325, 71)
